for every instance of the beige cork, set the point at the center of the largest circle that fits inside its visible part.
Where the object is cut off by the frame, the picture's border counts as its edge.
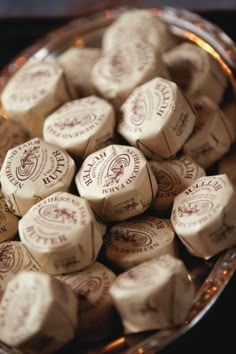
(156, 294)
(157, 119)
(61, 233)
(117, 181)
(32, 93)
(37, 313)
(132, 242)
(81, 126)
(203, 216)
(119, 71)
(32, 171)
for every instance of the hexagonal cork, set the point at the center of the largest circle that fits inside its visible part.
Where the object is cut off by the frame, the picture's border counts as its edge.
(157, 118)
(117, 181)
(8, 221)
(62, 234)
(156, 294)
(37, 313)
(116, 74)
(33, 92)
(203, 216)
(141, 24)
(14, 258)
(81, 126)
(32, 171)
(132, 242)
(98, 319)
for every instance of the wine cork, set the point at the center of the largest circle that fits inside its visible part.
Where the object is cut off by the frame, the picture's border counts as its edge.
(14, 258)
(119, 71)
(77, 64)
(34, 92)
(227, 166)
(11, 135)
(132, 242)
(32, 171)
(173, 177)
(97, 317)
(156, 294)
(37, 313)
(8, 221)
(138, 24)
(157, 118)
(213, 134)
(196, 72)
(117, 181)
(203, 216)
(81, 127)
(61, 233)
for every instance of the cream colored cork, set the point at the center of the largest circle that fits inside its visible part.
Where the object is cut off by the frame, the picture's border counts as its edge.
(138, 24)
(61, 233)
(157, 118)
(156, 294)
(32, 93)
(37, 313)
(203, 216)
(82, 126)
(117, 181)
(32, 171)
(119, 71)
(132, 242)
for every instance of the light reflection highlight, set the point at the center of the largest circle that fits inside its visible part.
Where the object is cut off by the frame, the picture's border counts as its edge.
(114, 345)
(209, 49)
(79, 42)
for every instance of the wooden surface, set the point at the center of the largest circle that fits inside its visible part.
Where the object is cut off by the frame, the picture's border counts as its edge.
(67, 8)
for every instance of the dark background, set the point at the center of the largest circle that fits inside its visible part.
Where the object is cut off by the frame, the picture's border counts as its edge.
(22, 22)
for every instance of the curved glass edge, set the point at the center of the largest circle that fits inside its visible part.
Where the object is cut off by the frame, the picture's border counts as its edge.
(182, 23)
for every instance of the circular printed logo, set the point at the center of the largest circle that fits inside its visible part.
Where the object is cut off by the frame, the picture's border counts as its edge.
(165, 181)
(80, 119)
(11, 258)
(196, 208)
(55, 214)
(140, 107)
(119, 66)
(116, 169)
(28, 163)
(90, 284)
(136, 238)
